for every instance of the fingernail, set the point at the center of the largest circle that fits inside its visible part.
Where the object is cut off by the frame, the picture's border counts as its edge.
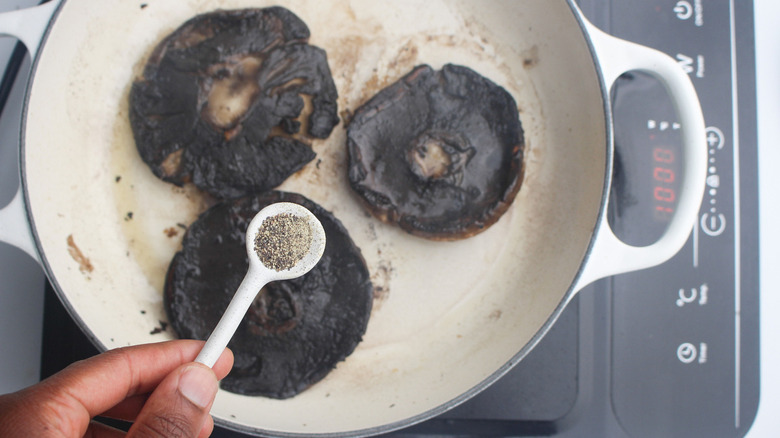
(198, 385)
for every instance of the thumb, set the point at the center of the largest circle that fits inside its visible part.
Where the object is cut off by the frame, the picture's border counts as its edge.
(179, 406)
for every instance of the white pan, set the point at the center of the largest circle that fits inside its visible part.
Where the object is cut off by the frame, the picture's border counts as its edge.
(452, 316)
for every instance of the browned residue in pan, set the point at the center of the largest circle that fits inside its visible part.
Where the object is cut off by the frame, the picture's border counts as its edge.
(407, 56)
(85, 265)
(530, 57)
(381, 280)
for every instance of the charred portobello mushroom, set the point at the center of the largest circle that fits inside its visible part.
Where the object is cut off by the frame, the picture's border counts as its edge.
(297, 330)
(221, 99)
(440, 153)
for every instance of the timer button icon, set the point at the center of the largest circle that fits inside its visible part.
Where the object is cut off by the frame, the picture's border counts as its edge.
(686, 352)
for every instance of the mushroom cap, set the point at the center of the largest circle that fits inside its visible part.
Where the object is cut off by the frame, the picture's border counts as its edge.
(223, 98)
(440, 153)
(295, 331)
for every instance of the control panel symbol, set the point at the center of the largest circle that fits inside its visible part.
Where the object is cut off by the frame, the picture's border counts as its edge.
(687, 64)
(683, 10)
(713, 224)
(715, 138)
(686, 352)
(690, 296)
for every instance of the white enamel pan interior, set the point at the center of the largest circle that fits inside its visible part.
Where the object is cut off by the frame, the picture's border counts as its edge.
(449, 317)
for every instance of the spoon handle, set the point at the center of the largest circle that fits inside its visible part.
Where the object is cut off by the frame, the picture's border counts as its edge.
(251, 285)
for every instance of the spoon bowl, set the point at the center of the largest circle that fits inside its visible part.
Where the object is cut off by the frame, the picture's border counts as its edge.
(259, 274)
(310, 257)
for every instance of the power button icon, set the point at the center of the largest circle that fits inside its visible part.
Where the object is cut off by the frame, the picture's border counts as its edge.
(683, 10)
(713, 224)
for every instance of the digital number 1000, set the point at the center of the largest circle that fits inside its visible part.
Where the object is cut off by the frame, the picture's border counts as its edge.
(664, 178)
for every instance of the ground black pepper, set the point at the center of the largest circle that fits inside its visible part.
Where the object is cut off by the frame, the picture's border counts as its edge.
(282, 241)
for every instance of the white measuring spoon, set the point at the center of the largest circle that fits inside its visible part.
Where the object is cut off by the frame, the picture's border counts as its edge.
(258, 275)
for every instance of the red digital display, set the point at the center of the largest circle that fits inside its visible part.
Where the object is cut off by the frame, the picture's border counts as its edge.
(664, 193)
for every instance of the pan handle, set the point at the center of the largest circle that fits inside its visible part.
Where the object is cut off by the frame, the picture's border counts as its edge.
(28, 26)
(14, 227)
(609, 255)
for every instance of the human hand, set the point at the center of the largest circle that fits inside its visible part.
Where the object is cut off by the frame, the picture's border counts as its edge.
(158, 386)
